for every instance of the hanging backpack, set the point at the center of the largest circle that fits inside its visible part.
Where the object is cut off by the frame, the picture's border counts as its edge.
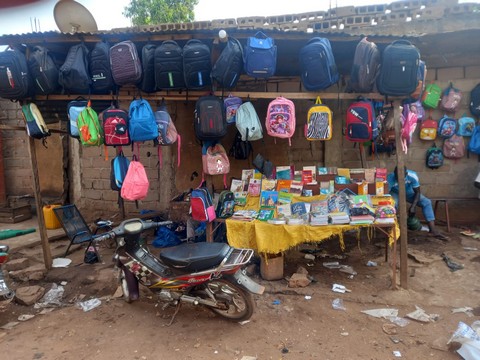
(74, 75)
(210, 123)
(454, 147)
(434, 157)
(147, 84)
(248, 123)
(451, 99)
(118, 171)
(260, 56)
(428, 129)
(142, 125)
(421, 78)
(229, 65)
(100, 71)
(115, 126)
(446, 127)
(231, 104)
(225, 205)
(475, 101)
(44, 70)
(74, 108)
(398, 73)
(197, 64)
(414, 105)
(319, 122)
(15, 80)
(89, 128)
(474, 144)
(215, 160)
(240, 149)
(360, 120)
(135, 184)
(280, 121)
(317, 65)
(125, 63)
(167, 132)
(365, 68)
(431, 96)
(201, 205)
(169, 66)
(466, 125)
(409, 125)
(35, 124)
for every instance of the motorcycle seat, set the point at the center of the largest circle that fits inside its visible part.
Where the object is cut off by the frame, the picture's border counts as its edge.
(193, 257)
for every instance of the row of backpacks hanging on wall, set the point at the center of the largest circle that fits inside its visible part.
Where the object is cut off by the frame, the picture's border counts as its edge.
(398, 71)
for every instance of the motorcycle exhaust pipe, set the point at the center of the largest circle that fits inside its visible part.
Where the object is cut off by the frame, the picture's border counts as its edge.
(197, 301)
(5, 292)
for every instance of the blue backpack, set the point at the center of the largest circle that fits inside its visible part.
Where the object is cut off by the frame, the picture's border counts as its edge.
(474, 144)
(118, 171)
(466, 125)
(446, 127)
(142, 125)
(434, 157)
(260, 56)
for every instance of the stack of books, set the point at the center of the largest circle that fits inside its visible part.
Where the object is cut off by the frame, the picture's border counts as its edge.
(318, 219)
(245, 215)
(339, 217)
(388, 220)
(361, 219)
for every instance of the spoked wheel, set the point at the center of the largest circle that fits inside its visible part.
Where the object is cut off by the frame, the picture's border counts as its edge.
(233, 302)
(7, 296)
(125, 277)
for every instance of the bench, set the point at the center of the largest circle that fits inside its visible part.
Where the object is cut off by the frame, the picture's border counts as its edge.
(445, 200)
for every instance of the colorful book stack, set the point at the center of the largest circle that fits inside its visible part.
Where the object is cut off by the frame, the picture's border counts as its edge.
(339, 217)
(317, 219)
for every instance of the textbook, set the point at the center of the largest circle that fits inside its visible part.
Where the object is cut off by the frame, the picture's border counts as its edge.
(254, 187)
(283, 185)
(268, 185)
(265, 214)
(237, 185)
(268, 199)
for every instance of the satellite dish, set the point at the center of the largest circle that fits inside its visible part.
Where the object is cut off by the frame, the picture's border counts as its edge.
(71, 16)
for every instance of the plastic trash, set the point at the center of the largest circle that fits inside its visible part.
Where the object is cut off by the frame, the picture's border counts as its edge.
(52, 297)
(276, 302)
(381, 313)
(452, 265)
(348, 270)
(337, 304)
(89, 304)
(420, 315)
(402, 322)
(332, 265)
(470, 340)
(61, 262)
(371, 263)
(340, 288)
(466, 310)
(397, 353)
(309, 257)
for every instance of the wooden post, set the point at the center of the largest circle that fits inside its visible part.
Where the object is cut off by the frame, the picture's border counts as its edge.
(402, 198)
(47, 255)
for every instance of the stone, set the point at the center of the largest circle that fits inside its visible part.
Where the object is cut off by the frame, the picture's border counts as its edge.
(29, 295)
(298, 280)
(17, 264)
(35, 272)
(302, 270)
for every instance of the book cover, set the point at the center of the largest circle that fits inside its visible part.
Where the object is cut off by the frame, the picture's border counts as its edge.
(257, 174)
(322, 170)
(298, 208)
(307, 177)
(370, 175)
(296, 187)
(319, 207)
(283, 185)
(313, 189)
(284, 197)
(327, 187)
(284, 172)
(268, 185)
(254, 187)
(381, 174)
(265, 214)
(357, 175)
(360, 199)
(237, 185)
(247, 174)
(268, 199)
(345, 172)
(297, 175)
(284, 210)
(314, 173)
(240, 198)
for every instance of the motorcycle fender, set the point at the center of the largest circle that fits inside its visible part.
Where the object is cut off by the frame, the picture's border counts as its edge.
(242, 279)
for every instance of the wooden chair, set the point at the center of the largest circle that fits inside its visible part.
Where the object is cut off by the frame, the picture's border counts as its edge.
(75, 226)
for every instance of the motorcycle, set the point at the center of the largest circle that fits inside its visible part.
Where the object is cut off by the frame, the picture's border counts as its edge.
(5, 292)
(206, 274)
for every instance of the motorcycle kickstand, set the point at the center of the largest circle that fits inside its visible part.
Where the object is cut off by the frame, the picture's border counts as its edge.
(177, 308)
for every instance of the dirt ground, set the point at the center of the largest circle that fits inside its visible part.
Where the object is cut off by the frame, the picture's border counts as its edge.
(288, 323)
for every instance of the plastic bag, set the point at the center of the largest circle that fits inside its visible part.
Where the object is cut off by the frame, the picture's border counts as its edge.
(164, 237)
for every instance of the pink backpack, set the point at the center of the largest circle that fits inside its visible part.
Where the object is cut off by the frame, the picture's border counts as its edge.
(409, 124)
(280, 121)
(215, 161)
(454, 147)
(135, 185)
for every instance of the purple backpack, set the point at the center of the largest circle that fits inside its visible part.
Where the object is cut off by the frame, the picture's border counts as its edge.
(231, 104)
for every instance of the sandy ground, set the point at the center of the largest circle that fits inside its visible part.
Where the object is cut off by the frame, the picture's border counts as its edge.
(288, 323)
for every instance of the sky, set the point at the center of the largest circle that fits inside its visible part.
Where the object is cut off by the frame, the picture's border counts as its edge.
(108, 13)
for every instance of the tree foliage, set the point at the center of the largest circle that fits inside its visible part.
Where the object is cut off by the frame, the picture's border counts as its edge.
(151, 12)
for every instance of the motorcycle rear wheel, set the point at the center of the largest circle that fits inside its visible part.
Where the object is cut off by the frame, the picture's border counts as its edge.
(234, 303)
(123, 278)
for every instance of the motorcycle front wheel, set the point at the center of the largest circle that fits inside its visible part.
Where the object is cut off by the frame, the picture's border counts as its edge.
(233, 302)
(129, 285)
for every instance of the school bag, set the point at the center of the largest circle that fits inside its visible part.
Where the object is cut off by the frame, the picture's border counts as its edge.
(466, 125)
(317, 64)
(197, 64)
(74, 108)
(451, 98)
(475, 101)
(365, 68)
(248, 123)
(229, 65)
(215, 160)
(169, 66)
(167, 132)
(225, 205)
(147, 84)
(35, 124)
(415, 106)
(409, 125)
(319, 122)
(454, 147)
(201, 205)
(398, 73)
(44, 70)
(209, 122)
(142, 125)
(115, 126)
(474, 144)
(135, 184)
(446, 127)
(428, 129)
(100, 71)
(240, 149)
(231, 104)
(118, 171)
(125, 63)
(260, 56)
(15, 81)
(74, 75)
(359, 121)
(421, 78)
(89, 128)
(280, 120)
(434, 157)
(431, 96)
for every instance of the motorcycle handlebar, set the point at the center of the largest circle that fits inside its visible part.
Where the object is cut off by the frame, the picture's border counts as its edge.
(120, 230)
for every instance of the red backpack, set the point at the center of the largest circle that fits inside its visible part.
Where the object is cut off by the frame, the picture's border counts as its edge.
(280, 121)
(135, 185)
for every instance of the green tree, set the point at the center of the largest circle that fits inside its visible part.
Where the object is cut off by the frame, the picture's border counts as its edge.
(151, 12)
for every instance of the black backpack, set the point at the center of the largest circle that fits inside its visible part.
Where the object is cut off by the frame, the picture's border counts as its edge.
(240, 149)
(169, 66)
(365, 68)
(44, 70)
(197, 64)
(210, 122)
(229, 65)
(475, 101)
(74, 76)
(99, 66)
(15, 81)
(148, 65)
